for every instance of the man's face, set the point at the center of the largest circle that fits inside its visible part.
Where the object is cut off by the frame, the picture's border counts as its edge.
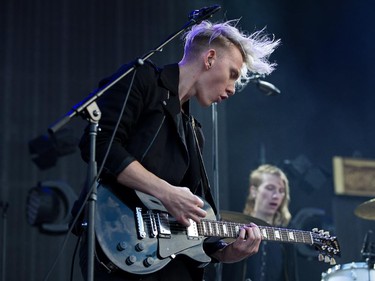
(218, 82)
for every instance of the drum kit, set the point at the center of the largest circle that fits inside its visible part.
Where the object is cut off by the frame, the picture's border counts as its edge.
(361, 271)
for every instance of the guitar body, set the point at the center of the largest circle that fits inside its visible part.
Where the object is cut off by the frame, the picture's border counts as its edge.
(137, 234)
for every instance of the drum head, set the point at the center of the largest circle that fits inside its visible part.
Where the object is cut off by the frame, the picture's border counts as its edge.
(349, 272)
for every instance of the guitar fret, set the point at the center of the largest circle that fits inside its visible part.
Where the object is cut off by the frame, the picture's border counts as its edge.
(299, 236)
(277, 234)
(231, 229)
(217, 229)
(209, 227)
(291, 236)
(264, 233)
(225, 230)
(284, 235)
(204, 230)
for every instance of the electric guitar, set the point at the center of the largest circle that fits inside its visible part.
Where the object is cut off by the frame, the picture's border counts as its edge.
(138, 236)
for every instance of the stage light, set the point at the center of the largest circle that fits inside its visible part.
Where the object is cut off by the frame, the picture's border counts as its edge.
(46, 149)
(306, 175)
(48, 206)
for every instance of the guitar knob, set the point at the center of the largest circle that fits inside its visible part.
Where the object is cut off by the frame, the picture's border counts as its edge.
(333, 261)
(327, 259)
(122, 246)
(130, 260)
(149, 261)
(140, 247)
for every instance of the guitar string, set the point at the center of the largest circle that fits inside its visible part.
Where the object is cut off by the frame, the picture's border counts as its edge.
(225, 229)
(217, 229)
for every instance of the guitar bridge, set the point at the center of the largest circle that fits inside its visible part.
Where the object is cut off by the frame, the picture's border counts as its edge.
(140, 223)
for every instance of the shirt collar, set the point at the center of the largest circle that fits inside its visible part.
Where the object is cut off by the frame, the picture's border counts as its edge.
(169, 77)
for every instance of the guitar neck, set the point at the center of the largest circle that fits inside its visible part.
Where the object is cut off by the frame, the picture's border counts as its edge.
(225, 229)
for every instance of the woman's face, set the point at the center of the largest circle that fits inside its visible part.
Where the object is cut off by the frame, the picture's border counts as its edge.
(269, 195)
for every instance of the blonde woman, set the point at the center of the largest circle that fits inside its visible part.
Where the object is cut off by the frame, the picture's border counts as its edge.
(268, 200)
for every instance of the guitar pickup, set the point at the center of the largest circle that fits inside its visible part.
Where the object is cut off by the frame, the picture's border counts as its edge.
(192, 230)
(164, 226)
(153, 228)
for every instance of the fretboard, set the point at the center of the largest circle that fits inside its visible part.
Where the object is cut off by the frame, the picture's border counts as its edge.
(226, 229)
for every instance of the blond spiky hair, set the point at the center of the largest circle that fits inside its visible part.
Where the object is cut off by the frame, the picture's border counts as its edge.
(255, 48)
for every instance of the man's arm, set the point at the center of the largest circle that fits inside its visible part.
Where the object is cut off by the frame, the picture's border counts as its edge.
(180, 202)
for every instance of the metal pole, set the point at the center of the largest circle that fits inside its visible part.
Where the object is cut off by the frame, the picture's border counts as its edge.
(4, 206)
(215, 163)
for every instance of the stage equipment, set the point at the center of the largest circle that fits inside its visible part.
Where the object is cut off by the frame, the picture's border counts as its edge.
(48, 206)
(307, 175)
(266, 87)
(46, 149)
(349, 272)
(354, 176)
(366, 210)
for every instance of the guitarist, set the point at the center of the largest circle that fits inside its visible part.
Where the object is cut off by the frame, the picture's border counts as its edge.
(155, 148)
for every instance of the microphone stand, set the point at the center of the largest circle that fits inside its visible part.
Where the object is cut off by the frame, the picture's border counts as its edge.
(4, 206)
(88, 109)
(215, 160)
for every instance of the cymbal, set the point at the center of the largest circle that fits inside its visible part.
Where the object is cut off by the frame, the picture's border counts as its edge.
(241, 218)
(366, 210)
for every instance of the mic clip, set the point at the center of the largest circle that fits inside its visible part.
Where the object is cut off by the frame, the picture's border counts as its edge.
(204, 13)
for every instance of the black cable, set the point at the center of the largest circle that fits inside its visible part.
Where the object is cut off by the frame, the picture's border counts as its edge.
(73, 260)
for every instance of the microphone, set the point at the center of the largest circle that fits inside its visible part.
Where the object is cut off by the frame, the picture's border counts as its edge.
(268, 88)
(366, 243)
(204, 13)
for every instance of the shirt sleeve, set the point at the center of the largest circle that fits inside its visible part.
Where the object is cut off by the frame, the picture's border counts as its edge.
(212, 245)
(111, 105)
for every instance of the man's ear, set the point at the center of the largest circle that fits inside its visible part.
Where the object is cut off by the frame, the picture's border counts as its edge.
(210, 58)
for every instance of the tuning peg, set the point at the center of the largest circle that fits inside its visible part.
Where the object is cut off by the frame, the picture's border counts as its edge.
(320, 257)
(326, 233)
(314, 229)
(333, 261)
(327, 259)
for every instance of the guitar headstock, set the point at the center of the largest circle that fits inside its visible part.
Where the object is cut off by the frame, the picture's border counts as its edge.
(327, 245)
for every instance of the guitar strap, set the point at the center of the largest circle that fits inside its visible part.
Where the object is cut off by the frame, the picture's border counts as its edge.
(204, 177)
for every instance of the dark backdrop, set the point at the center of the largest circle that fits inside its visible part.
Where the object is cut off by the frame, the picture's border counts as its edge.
(52, 53)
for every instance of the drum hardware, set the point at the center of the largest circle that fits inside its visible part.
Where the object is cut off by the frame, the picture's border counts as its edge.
(366, 210)
(355, 271)
(368, 250)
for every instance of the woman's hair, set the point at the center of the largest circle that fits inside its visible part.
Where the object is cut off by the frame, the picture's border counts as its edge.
(255, 48)
(282, 216)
